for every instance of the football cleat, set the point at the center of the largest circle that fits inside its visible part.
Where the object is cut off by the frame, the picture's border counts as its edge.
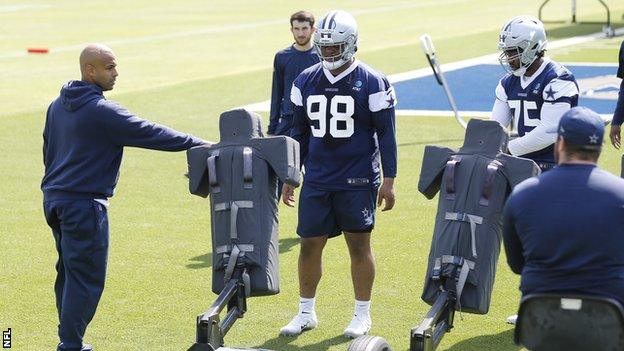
(302, 321)
(358, 327)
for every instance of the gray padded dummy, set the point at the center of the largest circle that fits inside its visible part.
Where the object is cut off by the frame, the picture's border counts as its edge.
(240, 175)
(473, 183)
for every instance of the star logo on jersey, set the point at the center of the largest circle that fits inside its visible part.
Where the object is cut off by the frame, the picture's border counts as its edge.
(550, 94)
(593, 139)
(368, 216)
(390, 98)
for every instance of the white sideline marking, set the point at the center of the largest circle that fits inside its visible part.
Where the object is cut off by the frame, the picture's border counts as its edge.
(205, 30)
(265, 106)
(15, 8)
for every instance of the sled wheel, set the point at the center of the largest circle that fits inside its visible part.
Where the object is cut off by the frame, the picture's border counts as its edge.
(369, 343)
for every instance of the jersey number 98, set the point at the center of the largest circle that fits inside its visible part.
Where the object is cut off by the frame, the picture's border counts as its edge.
(341, 109)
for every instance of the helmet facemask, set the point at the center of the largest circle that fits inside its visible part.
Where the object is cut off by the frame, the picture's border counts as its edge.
(337, 29)
(345, 52)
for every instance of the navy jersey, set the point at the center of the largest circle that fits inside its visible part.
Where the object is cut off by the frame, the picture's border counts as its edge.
(287, 65)
(344, 124)
(564, 232)
(529, 99)
(618, 115)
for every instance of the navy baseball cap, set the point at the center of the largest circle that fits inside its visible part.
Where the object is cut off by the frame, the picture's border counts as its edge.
(581, 126)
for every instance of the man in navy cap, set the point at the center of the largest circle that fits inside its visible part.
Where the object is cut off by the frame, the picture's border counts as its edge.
(564, 230)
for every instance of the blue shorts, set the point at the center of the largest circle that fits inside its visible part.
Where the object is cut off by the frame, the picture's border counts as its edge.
(324, 212)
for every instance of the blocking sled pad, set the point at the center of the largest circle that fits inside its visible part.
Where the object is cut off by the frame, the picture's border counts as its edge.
(473, 183)
(240, 174)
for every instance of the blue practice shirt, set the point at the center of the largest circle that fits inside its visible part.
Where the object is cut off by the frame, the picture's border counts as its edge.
(287, 65)
(564, 232)
(83, 142)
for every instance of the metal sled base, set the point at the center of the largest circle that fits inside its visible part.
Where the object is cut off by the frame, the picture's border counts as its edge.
(210, 328)
(439, 320)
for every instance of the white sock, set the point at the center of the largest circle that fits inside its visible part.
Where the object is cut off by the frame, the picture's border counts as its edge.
(306, 305)
(362, 308)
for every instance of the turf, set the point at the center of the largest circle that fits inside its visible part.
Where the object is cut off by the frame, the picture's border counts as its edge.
(181, 64)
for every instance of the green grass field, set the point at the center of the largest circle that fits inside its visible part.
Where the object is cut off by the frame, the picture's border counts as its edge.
(182, 64)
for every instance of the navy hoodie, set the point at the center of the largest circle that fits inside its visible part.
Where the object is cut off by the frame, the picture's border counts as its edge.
(83, 142)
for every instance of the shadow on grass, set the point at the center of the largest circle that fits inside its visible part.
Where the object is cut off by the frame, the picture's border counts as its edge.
(283, 344)
(500, 342)
(202, 261)
(205, 261)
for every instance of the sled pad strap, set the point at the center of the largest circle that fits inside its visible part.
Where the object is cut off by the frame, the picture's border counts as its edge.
(492, 168)
(247, 167)
(227, 248)
(212, 173)
(229, 269)
(461, 281)
(450, 177)
(435, 274)
(473, 220)
(233, 207)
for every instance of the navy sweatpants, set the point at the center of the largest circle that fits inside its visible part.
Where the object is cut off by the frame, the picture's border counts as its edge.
(80, 229)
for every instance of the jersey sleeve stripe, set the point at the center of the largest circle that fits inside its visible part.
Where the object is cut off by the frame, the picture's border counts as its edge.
(295, 96)
(382, 100)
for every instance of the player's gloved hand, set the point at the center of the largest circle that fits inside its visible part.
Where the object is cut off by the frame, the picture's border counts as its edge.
(288, 195)
(614, 135)
(386, 193)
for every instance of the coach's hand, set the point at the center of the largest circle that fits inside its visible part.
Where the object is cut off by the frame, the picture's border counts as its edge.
(614, 135)
(288, 195)
(386, 193)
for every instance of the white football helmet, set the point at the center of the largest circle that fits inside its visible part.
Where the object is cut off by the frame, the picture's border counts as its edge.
(337, 27)
(525, 35)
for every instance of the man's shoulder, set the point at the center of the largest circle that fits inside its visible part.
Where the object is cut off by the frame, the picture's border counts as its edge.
(555, 70)
(107, 109)
(528, 185)
(509, 80)
(366, 70)
(309, 72)
(285, 51)
(609, 180)
(375, 80)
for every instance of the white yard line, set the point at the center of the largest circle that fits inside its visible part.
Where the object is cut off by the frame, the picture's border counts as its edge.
(264, 106)
(22, 7)
(206, 30)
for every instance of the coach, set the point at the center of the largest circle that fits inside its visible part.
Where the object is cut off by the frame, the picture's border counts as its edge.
(564, 230)
(83, 143)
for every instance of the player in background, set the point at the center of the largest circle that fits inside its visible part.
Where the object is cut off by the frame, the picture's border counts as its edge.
(344, 121)
(618, 115)
(287, 65)
(534, 94)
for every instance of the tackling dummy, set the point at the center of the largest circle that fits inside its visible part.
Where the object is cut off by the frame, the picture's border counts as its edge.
(473, 183)
(240, 175)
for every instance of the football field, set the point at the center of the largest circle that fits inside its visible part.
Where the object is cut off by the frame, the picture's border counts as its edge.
(182, 64)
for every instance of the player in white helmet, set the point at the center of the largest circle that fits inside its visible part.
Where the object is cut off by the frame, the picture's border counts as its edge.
(345, 124)
(535, 92)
